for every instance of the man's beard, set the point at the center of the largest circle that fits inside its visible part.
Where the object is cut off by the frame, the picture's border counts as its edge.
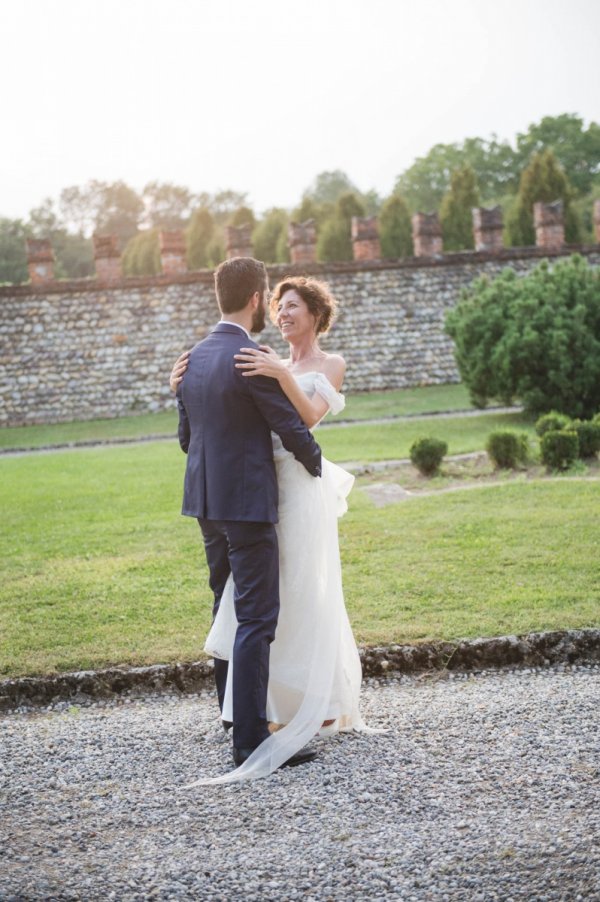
(258, 319)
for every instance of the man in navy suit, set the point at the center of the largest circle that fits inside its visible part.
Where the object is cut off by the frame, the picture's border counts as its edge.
(225, 425)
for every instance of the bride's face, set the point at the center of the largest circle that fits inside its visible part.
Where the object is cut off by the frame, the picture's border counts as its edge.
(294, 319)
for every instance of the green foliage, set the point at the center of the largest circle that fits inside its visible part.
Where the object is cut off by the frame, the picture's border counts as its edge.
(328, 187)
(73, 253)
(559, 449)
(498, 166)
(542, 180)
(309, 209)
(508, 449)
(333, 239)
(110, 208)
(536, 338)
(588, 434)
(584, 210)
(551, 422)
(577, 149)
(395, 228)
(242, 216)
(270, 237)
(200, 237)
(455, 213)
(141, 256)
(13, 256)
(427, 454)
(495, 164)
(167, 206)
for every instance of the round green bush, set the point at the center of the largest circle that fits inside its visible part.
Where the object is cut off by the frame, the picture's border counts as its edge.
(559, 449)
(553, 421)
(507, 449)
(588, 433)
(534, 337)
(427, 454)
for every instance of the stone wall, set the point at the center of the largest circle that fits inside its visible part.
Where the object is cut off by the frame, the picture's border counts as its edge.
(87, 349)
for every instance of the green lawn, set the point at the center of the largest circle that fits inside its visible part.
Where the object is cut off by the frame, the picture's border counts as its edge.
(388, 441)
(99, 568)
(429, 399)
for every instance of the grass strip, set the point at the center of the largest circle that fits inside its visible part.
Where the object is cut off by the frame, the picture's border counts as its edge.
(368, 405)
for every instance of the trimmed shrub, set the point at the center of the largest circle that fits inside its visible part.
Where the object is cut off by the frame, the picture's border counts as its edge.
(588, 433)
(427, 454)
(507, 449)
(559, 449)
(552, 422)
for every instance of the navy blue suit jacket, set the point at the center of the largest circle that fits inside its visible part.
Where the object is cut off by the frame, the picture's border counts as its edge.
(225, 424)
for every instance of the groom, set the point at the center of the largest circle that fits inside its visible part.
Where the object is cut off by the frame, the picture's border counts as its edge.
(225, 425)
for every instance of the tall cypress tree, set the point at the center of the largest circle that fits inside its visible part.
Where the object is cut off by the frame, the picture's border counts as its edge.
(395, 228)
(455, 213)
(542, 180)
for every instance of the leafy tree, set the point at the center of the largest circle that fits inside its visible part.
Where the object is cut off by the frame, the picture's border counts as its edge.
(167, 206)
(584, 210)
(395, 228)
(242, 216)
(494, 162)
(455, 213)
(329, 186)
(13, 256)
(270, 237)
(141, 256)
(334, 240)
(222, 204)
(536, 338)
(216, 249)
(576, 148)
(201, 235)
(105, 207)
(309, 209)
(542, 180)
(73, 253)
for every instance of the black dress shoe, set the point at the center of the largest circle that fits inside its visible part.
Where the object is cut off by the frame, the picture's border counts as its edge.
(301, 757)
(227, 725)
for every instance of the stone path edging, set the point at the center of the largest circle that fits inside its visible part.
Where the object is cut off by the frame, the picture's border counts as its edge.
(529, 650)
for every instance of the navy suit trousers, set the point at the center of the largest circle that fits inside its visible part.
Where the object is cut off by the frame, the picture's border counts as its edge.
(250, 553)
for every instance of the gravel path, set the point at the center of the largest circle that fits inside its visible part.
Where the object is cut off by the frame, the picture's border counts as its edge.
(484, 787)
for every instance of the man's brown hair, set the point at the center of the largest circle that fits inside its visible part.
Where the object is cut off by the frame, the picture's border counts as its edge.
(236, 280)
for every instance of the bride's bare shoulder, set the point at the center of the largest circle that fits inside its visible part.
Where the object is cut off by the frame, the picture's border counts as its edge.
(334, 367)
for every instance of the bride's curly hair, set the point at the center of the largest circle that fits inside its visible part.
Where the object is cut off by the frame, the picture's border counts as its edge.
(316, 295)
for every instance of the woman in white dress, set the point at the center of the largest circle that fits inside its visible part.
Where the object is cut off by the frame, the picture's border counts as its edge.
(314, 669)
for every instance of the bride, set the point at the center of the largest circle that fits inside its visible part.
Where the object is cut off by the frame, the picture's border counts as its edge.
(314, 669)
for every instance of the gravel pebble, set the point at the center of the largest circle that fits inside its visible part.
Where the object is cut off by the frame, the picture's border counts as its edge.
(482, 788)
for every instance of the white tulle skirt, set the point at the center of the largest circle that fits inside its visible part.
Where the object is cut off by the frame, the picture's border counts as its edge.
(314, 672)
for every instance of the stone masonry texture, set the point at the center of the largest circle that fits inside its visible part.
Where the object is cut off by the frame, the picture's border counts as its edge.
(90, 349)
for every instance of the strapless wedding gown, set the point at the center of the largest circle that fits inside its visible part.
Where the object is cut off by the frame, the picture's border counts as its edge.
(314, 670)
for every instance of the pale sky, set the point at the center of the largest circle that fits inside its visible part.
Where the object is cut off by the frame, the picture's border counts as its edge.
(261, 95)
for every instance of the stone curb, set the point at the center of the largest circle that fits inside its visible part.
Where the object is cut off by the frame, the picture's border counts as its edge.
(529, 650)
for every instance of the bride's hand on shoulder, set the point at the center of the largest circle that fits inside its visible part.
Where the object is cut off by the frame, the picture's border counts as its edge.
(178, 371)
(263, 361)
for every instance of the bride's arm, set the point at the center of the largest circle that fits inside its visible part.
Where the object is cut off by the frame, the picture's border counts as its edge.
(267, 363)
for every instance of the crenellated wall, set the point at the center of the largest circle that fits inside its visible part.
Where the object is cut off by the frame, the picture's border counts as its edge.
(87, 349)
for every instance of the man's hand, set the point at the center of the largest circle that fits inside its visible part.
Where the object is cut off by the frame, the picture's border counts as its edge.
(178, 371)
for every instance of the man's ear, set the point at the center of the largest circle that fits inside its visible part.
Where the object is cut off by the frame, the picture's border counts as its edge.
(255, 300)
